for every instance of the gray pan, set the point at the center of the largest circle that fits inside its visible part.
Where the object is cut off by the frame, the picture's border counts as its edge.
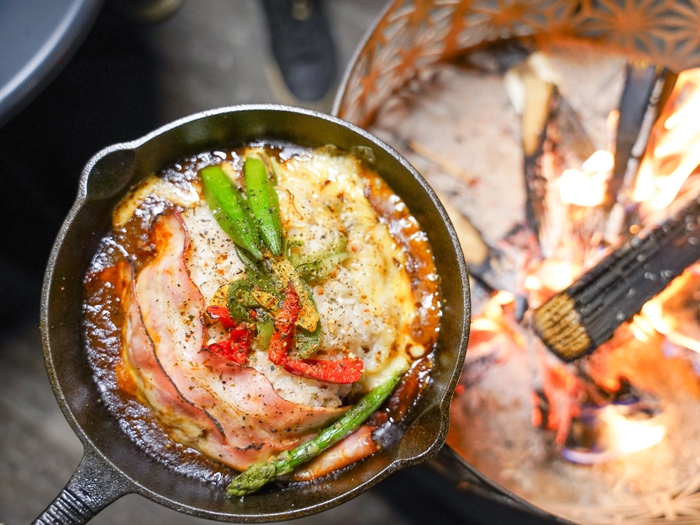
(113, 465)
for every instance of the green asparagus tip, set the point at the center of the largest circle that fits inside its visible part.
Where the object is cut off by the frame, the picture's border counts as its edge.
(252, 479)
(228, 208)
(262, 199)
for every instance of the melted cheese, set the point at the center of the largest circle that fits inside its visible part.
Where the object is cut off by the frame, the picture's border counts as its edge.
(151, 187)
(368, 306)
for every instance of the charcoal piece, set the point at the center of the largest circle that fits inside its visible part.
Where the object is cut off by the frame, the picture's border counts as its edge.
(579, 319)
(641, 95)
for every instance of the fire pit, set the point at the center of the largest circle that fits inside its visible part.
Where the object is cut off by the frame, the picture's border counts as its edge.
(556, 131)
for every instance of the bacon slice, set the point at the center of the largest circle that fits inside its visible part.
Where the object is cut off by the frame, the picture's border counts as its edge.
(229, 412)
(352, 448)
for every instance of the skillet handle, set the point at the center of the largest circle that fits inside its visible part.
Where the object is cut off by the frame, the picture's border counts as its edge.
(94, 485)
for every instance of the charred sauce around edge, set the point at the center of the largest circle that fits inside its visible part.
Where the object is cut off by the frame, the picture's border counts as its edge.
(104, 316)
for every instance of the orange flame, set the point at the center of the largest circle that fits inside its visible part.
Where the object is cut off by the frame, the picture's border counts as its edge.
(673, 152)
(653, 318)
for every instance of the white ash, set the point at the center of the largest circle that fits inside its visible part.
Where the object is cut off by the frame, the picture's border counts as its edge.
(466, 117)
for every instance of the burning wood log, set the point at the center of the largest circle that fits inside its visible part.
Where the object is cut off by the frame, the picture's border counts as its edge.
(552, 138)
(635, 102)
(576, 321)
(646, 91)
(535, 99)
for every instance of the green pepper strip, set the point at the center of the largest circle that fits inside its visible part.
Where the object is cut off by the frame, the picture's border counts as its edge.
(239, 299)
(247, 260)
(264, 335)
(317, 266)
(229, 212)
(321, 268)
(265, 210)
(239, 296)
(285, 273)
(259, 474)
(306, 342)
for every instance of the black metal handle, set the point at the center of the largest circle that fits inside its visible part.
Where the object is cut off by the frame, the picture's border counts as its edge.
(94, 485)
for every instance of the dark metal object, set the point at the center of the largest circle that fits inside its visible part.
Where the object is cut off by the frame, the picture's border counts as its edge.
(37, 39)
(582, 317)
(113, 465)
(466, 479)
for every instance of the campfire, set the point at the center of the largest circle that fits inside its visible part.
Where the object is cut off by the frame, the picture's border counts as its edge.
(622, 422)
(597, 414)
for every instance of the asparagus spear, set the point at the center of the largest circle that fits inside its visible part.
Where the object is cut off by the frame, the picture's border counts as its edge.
(259, 474)
(224, 201)
(262, 203)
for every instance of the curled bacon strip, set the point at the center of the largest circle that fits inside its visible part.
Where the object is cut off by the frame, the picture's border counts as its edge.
(352, 448)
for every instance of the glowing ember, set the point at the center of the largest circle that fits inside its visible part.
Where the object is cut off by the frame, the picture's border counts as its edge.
(555, 274)
(654, 319)
(586, 187)
(618, 432)
(600, 162)
(628, 435)
(484, 324)
(532, 283)
(653, 311)
(503, 297)
(582, 189)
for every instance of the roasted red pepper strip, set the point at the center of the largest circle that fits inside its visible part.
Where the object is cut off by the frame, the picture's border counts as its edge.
(343, 371)
(220, 313)
(284, 327)
(240, 336)
(236, 347)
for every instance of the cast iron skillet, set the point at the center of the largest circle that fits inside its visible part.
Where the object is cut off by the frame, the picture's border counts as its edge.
(113, 465)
